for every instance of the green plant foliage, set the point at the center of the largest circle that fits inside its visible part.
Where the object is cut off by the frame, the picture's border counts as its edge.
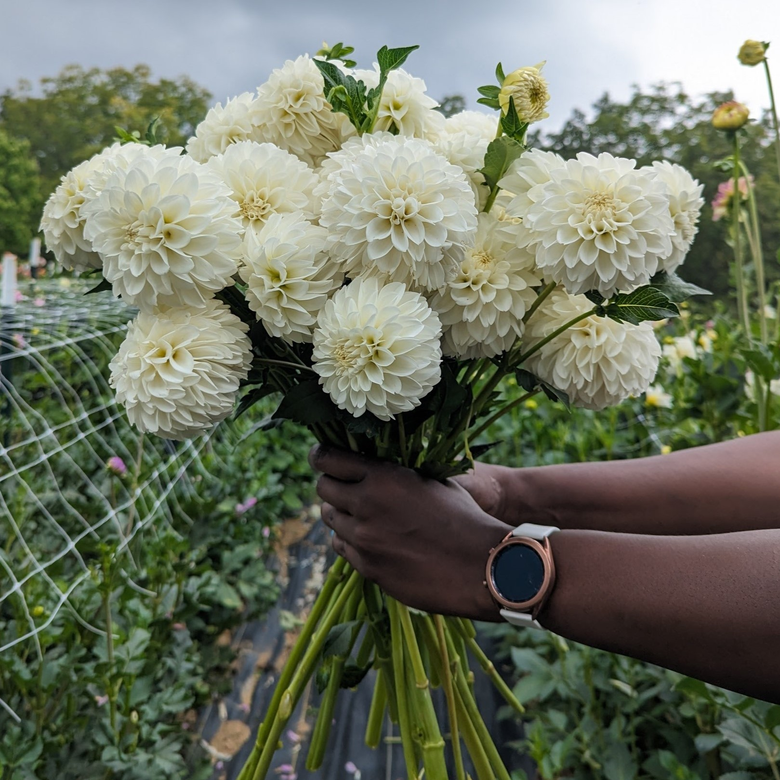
(20, 195)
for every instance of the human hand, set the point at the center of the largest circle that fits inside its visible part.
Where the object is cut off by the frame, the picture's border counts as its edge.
(485, 485)
(424, 542)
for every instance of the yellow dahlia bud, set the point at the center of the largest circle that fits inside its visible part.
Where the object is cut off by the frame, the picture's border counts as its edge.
(730, 116)
(529, 89)
(752, 53)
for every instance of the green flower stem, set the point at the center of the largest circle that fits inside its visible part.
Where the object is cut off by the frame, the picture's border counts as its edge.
(285, 363)
(474, 746)
(540, 299)
(547, 339)
(773, 107)
(500, 413)
(491, 199)
(465, 627)
(449, 692)
(742, 301)
(376, 714)
(366, 648)
(401, 692)
(302, 674)
(383, 659)
(334, 578)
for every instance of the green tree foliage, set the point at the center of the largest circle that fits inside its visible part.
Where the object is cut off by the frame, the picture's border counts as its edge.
(665, 123)
(452, 104)
(20, 197)
(78, 110)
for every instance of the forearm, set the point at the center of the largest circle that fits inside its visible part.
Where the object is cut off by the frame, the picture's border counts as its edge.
(706, 606)
(719, 488)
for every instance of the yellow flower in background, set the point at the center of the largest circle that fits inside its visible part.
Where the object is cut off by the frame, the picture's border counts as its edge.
(531, 404)
(657, 397)
(730, 116)
(529, 89)
(665, 449)
(752, 53)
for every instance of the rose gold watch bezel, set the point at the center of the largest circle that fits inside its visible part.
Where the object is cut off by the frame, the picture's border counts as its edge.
(544, 551)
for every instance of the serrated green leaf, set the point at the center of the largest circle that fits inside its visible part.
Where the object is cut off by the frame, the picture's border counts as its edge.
(511, 124)
(594, 296)
(772, 718)
(642, 305)
(390, 59)
(526, 380)
(501, 153)
(331, 74)
(694, 687)
(339, 639)
(151, 131)
(249, 399)
(676, 289)
(306, 404)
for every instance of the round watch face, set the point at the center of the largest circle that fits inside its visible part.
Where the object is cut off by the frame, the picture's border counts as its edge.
(518, 573)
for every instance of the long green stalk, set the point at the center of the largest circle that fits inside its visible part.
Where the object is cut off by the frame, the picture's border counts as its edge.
(376, 714)
(742, 297)
(449, 693)
(773, 108)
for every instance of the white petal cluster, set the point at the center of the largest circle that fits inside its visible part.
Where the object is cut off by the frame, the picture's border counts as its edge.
(405, 107)
(165, 231)
(750, 386)
(599, 224)
(292, 112)
(657, 397)
(526, 177)
(377, 348)
(464, 141)
(397, 209)
(685, 204)
(236, 121)
(288, 276)
(597, 362)
(678, 349)
(482, 308)
(178, 373)
(265, 180)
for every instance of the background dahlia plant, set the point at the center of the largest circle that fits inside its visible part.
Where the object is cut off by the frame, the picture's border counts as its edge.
(333, 240)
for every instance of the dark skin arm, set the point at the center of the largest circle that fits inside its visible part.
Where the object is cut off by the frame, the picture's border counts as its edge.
(707, 605)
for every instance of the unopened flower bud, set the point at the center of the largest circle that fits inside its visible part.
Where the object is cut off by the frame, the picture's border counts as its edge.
(37, 610)
(116, 466)
(730, 116)
(529, 89)
(134, 716)
(286, 705)
(752, 53)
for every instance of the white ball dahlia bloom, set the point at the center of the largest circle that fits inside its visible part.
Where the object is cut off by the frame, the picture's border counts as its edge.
(288, 275)
(165, 230)
(482, 308)
(292, 112)
(265, 180)
(685, 204)
(399, 210)
(404, 107)
(599, 224)
(597, 362)
(526, 177)
(377, 348)
(464, 141)
(178, 373)
(236, 121)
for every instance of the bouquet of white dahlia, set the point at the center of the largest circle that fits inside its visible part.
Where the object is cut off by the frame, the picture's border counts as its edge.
(335, 241)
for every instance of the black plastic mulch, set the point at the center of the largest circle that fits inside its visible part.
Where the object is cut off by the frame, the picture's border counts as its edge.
(266, 640)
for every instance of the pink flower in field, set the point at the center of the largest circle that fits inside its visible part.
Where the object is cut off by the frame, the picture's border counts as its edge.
(294, 737)
(266, 532)
(350, 767)
(246, 506)
(101, 700)
(721, 203)
(179, 626)
(219, 765)
(39, 302)
(285, 768)
(18, 296)
(19, 341)
(116, 466)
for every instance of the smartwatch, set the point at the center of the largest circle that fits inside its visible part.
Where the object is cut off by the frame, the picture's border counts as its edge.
(520, 573)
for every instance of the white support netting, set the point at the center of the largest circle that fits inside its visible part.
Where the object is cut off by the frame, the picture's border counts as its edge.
(59, 427)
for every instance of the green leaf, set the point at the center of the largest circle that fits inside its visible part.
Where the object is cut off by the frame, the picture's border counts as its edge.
(511, 124)
(249, 399)
(151, 131)
(594, 296)
(331, 74)
(390, 59)
(619, 764)
(676, 289)
(306, 404)
(339, 639)
(501, 153)
(125, 137)
(101, 286)
(477, 450)
(353, 675)
(500, 74)
(772, 718)
(554, 394)
(762, 361)
(641, 305)
(693, 687)
(707, 742)
(738, 776)
(490, 103)
(322, 677)
(489, 91)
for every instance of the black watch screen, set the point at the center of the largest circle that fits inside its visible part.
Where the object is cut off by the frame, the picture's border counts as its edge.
(518, 572)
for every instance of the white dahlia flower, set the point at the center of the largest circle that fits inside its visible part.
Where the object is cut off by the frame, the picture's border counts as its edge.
(750, 386)
(464, 141)
(178, 373)
(165, 231)
(482, 308)
(685, 204)
(526, 177)
(677, 349)
(657, 397)
(599, 224)
(404, 107)
(597, 362)
(265, 180)
(377, 348)
(223, 126)
(292, 112)
(399, 210)
(288, 275)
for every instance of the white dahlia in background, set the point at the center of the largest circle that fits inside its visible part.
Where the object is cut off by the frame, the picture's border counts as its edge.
(292, 112)
(288, 275)
(597, 362)
(399, 210)
(178, 373)
(404, 107)
(165, 231)
(482, 308)
(657, 397)
(464, 141)
(377, 348)
(526, 177)
(236, 121)
(677, 349)
(685, 204)
(750, 386)
(265, 180)
(599, 224)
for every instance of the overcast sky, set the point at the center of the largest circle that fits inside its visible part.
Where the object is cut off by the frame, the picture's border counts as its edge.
(230, 46)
